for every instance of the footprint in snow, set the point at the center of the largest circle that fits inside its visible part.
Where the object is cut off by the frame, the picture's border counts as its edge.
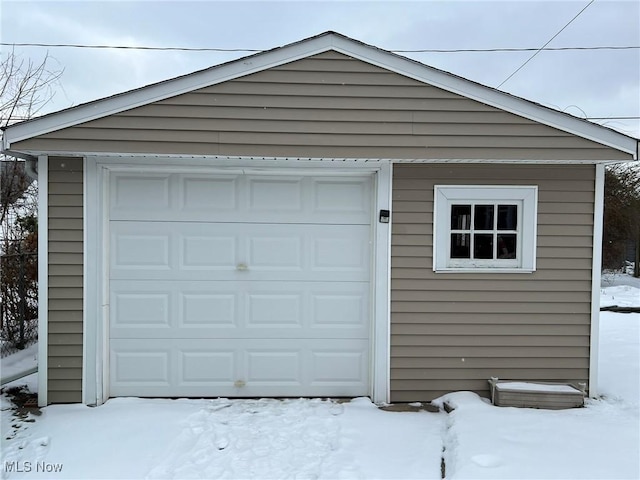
(487, 461)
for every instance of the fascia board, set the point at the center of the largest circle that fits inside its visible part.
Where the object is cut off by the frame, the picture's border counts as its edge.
(313, 46)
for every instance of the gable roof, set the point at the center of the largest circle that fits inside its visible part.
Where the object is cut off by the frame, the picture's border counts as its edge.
(305, 48)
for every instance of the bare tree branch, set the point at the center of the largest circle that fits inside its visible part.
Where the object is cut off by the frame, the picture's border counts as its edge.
(25, 87)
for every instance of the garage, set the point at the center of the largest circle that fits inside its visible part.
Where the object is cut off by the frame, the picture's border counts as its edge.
(239, 284)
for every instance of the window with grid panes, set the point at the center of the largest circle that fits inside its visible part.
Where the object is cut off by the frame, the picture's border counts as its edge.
(484, 228)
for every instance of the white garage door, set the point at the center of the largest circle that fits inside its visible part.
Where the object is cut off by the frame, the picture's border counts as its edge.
(239, 285)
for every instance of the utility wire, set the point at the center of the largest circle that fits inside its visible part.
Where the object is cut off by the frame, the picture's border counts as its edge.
(548, 49)
(583, 118)
(126, 47)
(542, 48)
(612, 118)
(424, 50)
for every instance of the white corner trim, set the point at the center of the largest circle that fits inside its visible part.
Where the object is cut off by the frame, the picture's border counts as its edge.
(381, 290)
(43, 280)
(102, 285)
(596, 266)
(85, 282)
(89, 274)
(312, 46)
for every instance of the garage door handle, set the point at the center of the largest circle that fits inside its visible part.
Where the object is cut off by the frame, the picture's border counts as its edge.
(242, 267)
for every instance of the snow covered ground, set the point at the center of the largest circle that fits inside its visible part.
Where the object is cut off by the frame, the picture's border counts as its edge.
(21, 361)
(313, 439)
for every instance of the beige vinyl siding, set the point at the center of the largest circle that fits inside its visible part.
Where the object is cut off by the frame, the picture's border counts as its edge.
(65, 280)
(328, 105)
(454, 331)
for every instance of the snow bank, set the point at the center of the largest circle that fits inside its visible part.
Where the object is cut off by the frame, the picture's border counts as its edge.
(20, 361)
(621, 295)
(619, 364)
(486, 442)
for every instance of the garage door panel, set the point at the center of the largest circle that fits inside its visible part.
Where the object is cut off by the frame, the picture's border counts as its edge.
(187, 309)
(140, 252)
(341, 310)
(206, 368)
(275, 252)
(207, 310)
(238, 367)
(335, 252)
(267, 195)
(144, 194)
(200, 252)
(240, 198)
(274, 367)
(157, 250)
(275, 310)
(142, 366)
(141, 310)
(332, 367)
(201, 195)
(341, 197)
(239, 285)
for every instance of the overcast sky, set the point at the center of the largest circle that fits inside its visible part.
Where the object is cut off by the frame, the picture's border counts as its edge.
(595, 83)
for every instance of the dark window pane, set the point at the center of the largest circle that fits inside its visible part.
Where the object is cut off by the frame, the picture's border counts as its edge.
(507, 246)
(460, 217)
(460, 245)
(483, 217)
(507, 217)
(483, 245)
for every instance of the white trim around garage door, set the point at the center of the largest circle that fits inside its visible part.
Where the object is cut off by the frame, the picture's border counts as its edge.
(96, 312)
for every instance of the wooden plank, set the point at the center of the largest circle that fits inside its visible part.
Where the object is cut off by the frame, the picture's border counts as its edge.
(56, 351)
(504, 352)
(487, 341)
(65, 246)
(65, 304)
(524, 365)
(512, 308)
(487, 318)
(490, 295)
(59, 373)
(65, 327)
(56, 292)
(485, 373)
(498, 285)
(427, 273)
(482, 330)
(65, 339)
(63, 396)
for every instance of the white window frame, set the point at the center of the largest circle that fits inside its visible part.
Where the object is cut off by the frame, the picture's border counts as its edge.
(526, 197)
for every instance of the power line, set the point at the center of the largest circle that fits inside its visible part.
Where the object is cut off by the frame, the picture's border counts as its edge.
(19, 118)
(612, 118)
(253, 50)
(550, 40)
(548, 49)
(127, 47)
